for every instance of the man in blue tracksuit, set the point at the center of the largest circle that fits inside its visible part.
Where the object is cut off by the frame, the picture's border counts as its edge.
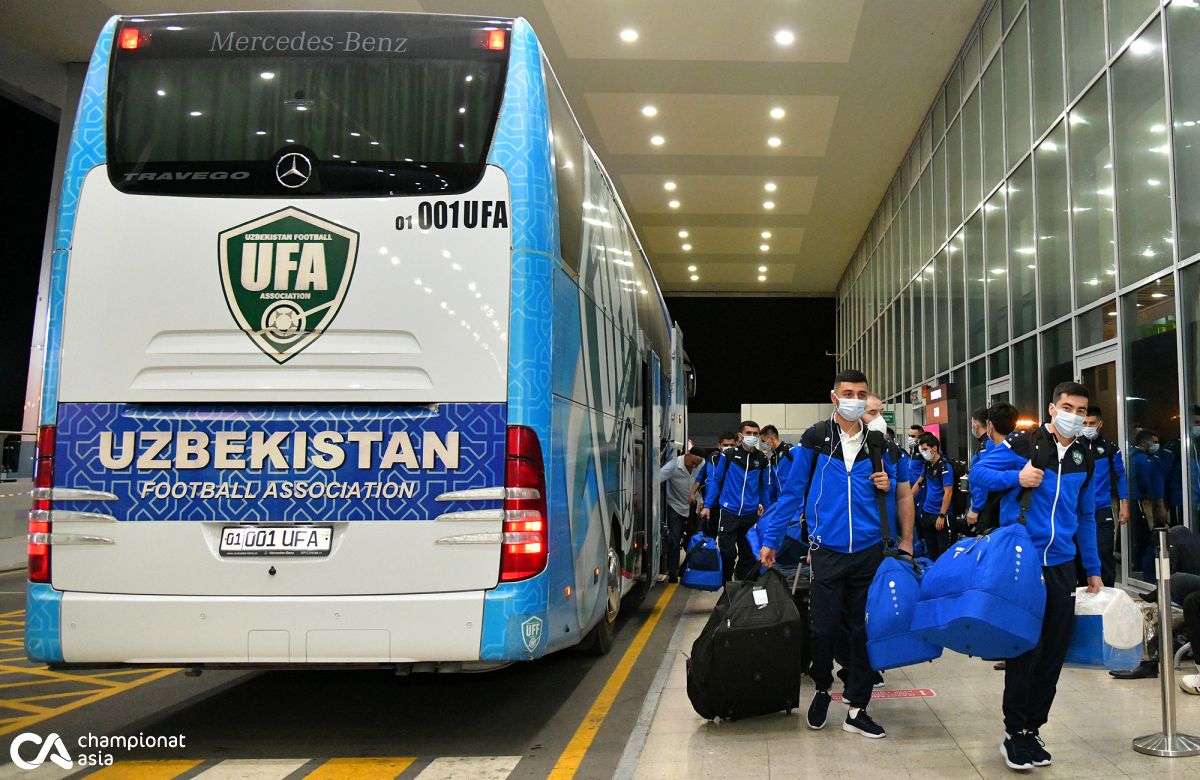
(1057, 468)
(933, 524)
(1110, 488)
(700, 487)
(916, 466)
(984, 512)
(833, 482)
(738, 486)
(983, 443)
(781, 461)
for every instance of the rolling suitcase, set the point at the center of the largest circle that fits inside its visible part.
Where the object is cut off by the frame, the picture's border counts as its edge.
(746, 661)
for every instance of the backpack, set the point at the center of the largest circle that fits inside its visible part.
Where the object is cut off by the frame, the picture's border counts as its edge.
(960, 502)
(701, 567)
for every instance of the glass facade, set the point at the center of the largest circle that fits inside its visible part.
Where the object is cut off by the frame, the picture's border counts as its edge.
(1045, 225)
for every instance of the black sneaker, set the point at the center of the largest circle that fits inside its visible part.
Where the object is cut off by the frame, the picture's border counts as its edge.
(878, 682)
(818, 711)
(862, 724)
(999, 666)
(1015, 754)
(1035, 747)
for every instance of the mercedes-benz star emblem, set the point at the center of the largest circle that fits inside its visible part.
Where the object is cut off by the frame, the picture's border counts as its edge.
(293, 170)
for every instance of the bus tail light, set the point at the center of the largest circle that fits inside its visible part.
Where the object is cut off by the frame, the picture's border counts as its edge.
(493, 40)
(524, 551)
(131, 38)
(39, 518)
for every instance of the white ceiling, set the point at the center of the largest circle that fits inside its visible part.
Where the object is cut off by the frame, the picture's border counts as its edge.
(855, 86)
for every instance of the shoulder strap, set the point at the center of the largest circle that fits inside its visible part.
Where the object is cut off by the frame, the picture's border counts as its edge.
(1037, 458)
(1112, 470)
(881, 502)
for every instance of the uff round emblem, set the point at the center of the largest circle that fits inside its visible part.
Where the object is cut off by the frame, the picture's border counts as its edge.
(1077, 456)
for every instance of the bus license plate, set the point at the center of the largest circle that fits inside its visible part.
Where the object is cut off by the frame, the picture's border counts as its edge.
(306, 540)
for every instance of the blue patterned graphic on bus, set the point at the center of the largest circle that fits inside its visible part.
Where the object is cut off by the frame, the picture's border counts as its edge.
(43, 623)
(87, 151)
(281, 463)
(521, 147)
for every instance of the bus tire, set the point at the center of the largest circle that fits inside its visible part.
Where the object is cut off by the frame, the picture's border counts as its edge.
(600, 639)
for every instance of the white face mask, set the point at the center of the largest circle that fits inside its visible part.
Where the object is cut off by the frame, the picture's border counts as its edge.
(911, 442)
(878, 424)
(927, 455)
(851, 409)
(750, 441)
(1090, 433)
(1067, 424)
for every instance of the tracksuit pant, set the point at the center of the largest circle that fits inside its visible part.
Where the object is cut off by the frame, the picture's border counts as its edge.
(936, 542)
(1031, 679)
(838, 606)
(1105, 542)
(672, 540)
(731, 541)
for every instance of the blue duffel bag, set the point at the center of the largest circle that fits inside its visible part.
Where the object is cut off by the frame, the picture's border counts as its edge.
(701, 567)
(891, 603)
(792, 550)
(985, 596)
(892, 597)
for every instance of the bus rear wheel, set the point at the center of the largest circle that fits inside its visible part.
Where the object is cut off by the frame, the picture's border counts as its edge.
(600, 639)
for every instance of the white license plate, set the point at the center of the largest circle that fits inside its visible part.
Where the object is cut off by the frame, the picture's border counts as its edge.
(301, 540)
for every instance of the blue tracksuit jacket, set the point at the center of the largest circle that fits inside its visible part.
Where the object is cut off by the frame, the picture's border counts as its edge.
(978, 494)
(1106, 470)
(739, 482)
(1062, 510)
(840, 505)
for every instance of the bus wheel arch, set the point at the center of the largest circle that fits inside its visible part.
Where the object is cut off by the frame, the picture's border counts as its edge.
(600, 639)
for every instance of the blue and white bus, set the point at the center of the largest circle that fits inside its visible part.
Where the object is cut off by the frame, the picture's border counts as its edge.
(353, 356)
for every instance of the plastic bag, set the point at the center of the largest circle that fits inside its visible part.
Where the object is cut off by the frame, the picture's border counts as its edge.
(1108, 630)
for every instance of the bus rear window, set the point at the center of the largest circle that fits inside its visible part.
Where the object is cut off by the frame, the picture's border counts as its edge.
(267, 104)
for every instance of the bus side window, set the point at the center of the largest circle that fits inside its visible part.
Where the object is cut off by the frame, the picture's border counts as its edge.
(568, 173)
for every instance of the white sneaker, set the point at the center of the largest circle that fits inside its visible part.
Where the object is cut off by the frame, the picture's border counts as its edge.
(1190, 683)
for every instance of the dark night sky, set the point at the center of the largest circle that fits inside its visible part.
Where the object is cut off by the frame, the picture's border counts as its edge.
(25, 192)
(759, 350)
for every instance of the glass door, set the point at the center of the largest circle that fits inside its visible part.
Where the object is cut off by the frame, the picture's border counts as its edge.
(1099, 372)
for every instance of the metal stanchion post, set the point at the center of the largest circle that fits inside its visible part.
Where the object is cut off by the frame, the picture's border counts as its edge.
(1168, 742)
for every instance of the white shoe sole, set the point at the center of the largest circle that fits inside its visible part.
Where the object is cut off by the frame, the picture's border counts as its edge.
(1011, 765)
(856, 730)
(816, 728)
(1188, 689)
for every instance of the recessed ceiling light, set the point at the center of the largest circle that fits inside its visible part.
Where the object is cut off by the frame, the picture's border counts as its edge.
(770, 186)
(785, 37)
(768, 204)
(762, 278)
(669, 186)
(695, 278)
(160, 92)
(649, 111)
(674, 204)
(683, 234)
(764, 247)
(691, 269)
(686, 247)
(629, 35)
(194, 113)
(657, 140)
(778, 113)
(762, 269)
(766, 234)
(774, 141)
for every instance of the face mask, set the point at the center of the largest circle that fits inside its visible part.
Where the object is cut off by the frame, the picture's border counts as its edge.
(1068, 424)
(750, 441)
(1090, 433)
(1153, 448)
(927, 455)
(878, 424)
(911, 442)
(851, 409)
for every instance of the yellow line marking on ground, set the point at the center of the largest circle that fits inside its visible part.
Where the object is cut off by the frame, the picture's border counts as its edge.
(25, 683)
(573, 755)
(25, 723)
(47, 696)
(40, 672)
(145, 770)
(360, 768)
(21, 706)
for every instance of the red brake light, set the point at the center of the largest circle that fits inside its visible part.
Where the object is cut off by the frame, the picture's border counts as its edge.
(131, 38)
(495, 40)
(525, 549)
(39, 519)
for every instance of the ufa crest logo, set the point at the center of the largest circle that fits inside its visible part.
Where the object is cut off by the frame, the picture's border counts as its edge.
(285, 276)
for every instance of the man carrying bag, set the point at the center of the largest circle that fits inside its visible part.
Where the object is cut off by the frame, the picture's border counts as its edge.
(1061, 514)
(846, 545)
